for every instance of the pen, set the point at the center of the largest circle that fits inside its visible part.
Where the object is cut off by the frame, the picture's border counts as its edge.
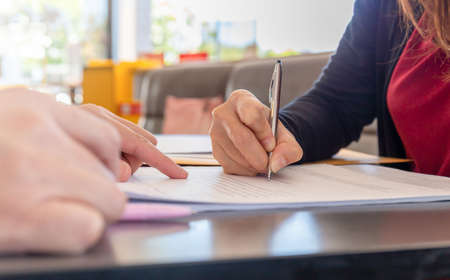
(274, 99)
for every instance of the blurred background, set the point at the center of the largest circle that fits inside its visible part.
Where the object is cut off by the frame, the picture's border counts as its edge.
(50, 41)
(130, 55)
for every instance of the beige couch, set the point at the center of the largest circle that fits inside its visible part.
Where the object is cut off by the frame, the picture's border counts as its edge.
(207, 79)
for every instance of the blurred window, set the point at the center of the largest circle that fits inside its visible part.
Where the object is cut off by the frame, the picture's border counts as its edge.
(48, 41)
(236, 29)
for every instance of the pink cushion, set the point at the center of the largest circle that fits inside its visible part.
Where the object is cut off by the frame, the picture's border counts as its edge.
(189, 115)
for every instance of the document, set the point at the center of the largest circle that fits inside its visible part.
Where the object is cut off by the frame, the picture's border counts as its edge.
(344, 157)
(196, 150)
(317, 185)
(194, 159)
(184, 144)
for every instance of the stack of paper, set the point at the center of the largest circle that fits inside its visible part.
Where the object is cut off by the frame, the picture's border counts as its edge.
(184, 144)
(195, 150)
(209, 189)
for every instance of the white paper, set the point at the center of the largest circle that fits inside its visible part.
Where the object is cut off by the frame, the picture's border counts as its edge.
(184, 144)
(296, 186)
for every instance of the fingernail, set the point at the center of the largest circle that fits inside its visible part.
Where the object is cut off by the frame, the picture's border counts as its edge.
(184, 173)
(268, 143)
(179, 173)
(277, 164)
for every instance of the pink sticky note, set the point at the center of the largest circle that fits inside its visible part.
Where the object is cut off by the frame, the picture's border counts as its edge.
(153, 211)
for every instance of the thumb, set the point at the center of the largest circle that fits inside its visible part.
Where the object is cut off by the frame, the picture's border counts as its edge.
(62, 226)
(286, 151)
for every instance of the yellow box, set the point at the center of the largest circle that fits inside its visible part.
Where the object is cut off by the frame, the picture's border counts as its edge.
(110, 85)
(99, 87)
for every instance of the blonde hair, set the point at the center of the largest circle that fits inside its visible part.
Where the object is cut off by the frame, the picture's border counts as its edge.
(436, 22)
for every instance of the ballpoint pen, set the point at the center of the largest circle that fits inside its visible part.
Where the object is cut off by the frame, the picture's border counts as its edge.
(274, 99)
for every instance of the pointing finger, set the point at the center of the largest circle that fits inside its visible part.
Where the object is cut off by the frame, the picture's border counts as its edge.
(144, 151)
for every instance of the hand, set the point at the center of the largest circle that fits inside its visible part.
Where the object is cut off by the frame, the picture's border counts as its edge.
(57, 174)
(241, 137)
(138, 146)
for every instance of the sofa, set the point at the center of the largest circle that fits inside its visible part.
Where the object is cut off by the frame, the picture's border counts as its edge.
(210, 79)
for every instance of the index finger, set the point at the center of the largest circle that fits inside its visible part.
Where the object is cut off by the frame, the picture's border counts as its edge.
(145, 151)
(121, 124)
(142, 148)
(139, 130)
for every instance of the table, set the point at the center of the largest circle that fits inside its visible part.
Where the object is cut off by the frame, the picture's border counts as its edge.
(404, 241)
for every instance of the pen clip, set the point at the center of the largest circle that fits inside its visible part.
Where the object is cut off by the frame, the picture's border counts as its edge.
(270, 91)
(272, 83)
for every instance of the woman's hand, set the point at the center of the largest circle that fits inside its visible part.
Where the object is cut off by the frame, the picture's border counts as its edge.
(241, 137)
(138, 146)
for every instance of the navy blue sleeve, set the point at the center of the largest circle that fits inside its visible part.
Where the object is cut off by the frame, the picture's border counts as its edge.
(343, 100)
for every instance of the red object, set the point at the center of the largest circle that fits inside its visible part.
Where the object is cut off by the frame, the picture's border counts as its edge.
(128, 109)
(419, 102)
(189, 115)
(187, 57)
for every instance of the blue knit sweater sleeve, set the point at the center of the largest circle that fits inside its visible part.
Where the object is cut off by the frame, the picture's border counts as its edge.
(342, 101)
